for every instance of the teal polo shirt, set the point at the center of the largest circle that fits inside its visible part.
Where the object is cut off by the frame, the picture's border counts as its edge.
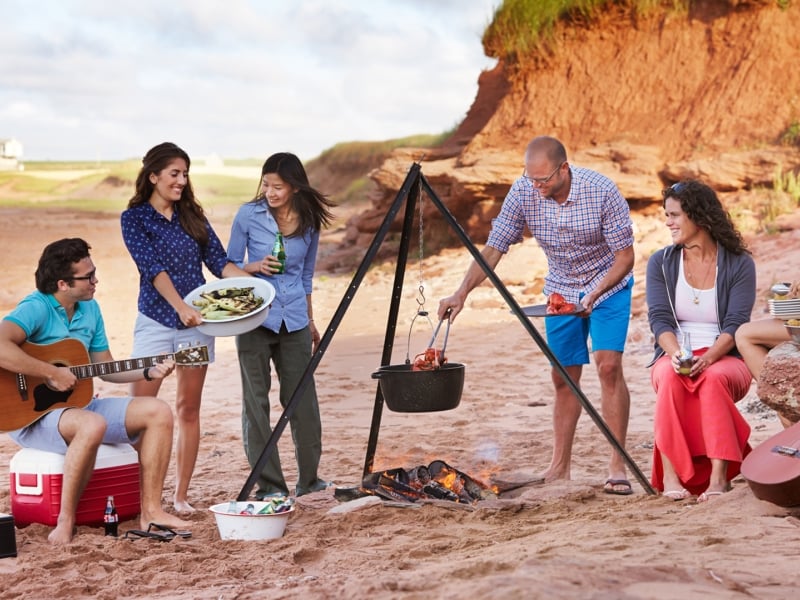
(44, 321)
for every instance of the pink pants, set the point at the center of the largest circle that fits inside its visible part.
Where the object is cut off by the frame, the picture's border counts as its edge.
(696, 419)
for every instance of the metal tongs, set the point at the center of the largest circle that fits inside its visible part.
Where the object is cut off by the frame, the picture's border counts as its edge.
(424, 313)
(446, 333)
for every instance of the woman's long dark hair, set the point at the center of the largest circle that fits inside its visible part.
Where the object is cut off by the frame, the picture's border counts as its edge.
(701, 205)
(312, 206)
(190, 214)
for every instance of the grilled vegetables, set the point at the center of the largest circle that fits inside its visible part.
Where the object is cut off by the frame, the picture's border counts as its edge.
(227, 302)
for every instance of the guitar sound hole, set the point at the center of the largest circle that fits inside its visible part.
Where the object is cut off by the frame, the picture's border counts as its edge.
(44, 397)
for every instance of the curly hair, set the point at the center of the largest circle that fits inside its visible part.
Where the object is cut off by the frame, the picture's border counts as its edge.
(55, 263)
(190, 214)
(312, 206)
(704, 209)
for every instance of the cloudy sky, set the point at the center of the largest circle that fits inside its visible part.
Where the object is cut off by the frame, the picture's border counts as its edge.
(99, 80)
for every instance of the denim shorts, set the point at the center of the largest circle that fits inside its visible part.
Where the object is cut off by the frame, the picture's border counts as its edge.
(607, 325)
(151, 338)
(44, 435)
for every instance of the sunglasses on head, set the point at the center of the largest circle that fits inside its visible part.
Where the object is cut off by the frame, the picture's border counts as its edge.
(674, 189)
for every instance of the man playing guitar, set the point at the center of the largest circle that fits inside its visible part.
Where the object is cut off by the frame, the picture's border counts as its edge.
(63, 307)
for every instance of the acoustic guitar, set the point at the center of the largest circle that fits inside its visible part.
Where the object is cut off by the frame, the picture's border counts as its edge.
(24, 399)
(772, 469)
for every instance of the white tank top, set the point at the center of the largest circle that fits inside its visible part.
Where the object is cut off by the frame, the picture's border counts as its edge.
(696, 311)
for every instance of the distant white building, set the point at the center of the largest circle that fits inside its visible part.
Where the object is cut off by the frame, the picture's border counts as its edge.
(10, 153)
(10, 148)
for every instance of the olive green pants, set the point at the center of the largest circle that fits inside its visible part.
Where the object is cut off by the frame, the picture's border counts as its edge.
(290, 353)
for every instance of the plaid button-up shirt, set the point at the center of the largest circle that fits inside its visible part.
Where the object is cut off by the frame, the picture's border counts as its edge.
(578, 237)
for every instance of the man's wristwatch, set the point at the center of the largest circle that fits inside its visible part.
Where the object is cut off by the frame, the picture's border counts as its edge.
(146, 374)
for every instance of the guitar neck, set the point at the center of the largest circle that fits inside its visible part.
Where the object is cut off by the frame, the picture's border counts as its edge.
(117, 366)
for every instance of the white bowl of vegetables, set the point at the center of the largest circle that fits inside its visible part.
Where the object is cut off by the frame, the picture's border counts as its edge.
(232, 306)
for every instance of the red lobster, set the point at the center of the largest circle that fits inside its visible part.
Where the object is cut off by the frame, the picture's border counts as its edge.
(430, 360)
(557, 305)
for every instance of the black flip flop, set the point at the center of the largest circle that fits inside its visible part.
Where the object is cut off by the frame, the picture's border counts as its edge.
(163, 529)
(133, 534)
(608, 487)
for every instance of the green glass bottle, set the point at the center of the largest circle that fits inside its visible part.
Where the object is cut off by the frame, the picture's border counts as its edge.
(279, 252)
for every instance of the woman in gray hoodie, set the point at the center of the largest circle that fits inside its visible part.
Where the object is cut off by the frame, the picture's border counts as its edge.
(704, 284)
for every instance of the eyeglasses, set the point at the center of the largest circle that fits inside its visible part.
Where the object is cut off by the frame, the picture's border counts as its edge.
(541, 180)
(92, 276)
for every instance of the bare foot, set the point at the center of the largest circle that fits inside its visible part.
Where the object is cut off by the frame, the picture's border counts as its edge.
(61, 535)
(183, 507)
(551, 475)
(162, 518)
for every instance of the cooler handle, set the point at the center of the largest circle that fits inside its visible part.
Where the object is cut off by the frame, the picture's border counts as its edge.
(29, 490)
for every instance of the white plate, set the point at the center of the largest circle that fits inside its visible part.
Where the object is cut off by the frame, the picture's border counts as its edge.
(791, 302)
(240, 324)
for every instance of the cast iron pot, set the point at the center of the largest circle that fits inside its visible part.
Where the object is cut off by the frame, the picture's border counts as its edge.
(409, 391)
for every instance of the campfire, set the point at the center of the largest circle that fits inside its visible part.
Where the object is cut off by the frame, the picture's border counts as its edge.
(437, 481)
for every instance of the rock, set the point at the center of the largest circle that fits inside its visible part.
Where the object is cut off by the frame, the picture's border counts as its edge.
(779, 382)
(732, 171)
(354, 505)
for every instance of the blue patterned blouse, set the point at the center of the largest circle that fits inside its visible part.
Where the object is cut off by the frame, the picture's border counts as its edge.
(156, 245)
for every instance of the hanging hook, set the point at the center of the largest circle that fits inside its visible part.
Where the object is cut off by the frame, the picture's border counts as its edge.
(421, 298)
(421, 301)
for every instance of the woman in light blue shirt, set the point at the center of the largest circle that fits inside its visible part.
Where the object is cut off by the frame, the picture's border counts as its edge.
(285, 203)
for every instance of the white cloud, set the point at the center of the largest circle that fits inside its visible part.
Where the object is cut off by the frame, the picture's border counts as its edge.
(85, 79)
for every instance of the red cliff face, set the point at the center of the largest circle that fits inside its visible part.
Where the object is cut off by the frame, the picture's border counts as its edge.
(646, 102)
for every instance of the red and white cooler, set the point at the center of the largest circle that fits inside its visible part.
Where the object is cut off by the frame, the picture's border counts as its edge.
(37, 476)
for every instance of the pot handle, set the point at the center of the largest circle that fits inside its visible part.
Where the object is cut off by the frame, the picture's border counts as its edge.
(376, 375)
(420, 313)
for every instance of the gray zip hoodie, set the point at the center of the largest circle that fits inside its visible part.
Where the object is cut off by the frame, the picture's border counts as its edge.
(736, 291)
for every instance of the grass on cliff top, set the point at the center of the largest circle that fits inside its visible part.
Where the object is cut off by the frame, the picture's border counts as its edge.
(361, 152)
(522, 28)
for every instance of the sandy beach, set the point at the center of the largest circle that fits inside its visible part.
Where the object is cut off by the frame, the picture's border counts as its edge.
(561, 540)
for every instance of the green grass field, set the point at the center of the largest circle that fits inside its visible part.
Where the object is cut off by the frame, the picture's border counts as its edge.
(107, 186)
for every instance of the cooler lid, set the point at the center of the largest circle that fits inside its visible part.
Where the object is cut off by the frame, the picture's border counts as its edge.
(30, 460)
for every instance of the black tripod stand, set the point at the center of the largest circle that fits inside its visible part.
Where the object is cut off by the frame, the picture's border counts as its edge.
(409, 193)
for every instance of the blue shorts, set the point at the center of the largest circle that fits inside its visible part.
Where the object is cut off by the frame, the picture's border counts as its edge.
(151, 338)
(44, 435)
(607, 325)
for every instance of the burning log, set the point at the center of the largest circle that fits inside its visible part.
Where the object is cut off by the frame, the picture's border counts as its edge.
(437, 481)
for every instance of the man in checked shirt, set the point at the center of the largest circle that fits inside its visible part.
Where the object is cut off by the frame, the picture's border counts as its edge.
(582, 223)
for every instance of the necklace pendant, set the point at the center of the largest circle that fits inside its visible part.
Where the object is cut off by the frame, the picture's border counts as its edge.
(696, 300)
